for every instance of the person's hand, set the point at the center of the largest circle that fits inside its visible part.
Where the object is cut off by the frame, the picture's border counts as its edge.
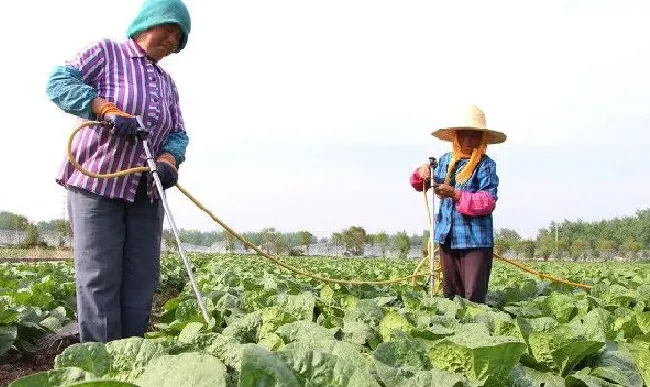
(425, 171)
(125, 126)
(446, 191)
(123, 123)
(167, 172)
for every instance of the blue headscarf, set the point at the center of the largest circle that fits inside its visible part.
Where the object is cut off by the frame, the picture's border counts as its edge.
(157, 12)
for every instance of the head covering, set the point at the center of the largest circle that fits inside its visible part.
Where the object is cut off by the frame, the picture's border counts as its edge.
(457, 154)
(157, 12)
(471, 118)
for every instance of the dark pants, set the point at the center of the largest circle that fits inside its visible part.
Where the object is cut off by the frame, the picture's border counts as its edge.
(117, 262)
(465, 272)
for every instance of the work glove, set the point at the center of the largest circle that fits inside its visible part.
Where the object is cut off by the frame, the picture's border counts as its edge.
(123, 123)
(167, 172)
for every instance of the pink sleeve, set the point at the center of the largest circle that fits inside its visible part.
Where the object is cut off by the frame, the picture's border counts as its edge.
(475, 204)
(416, 181)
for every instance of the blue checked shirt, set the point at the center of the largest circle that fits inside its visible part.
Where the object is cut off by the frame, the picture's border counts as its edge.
(466, 232)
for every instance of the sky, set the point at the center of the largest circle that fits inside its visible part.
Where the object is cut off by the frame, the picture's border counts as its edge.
(312, 115)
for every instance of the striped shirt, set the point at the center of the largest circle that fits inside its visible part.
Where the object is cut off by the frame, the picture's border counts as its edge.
(120, 73)
(465, 231)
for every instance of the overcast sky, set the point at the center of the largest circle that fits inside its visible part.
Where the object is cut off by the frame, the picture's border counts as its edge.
(312, 115)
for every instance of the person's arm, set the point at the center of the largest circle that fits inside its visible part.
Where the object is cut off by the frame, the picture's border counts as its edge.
(72, 86)
(421, 177)
(483, 201)
(417, 182)
(175, 144)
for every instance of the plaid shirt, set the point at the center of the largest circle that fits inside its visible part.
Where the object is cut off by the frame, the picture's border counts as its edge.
(466, 231)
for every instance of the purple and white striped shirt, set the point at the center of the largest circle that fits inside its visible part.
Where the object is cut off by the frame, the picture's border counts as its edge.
(121, 73)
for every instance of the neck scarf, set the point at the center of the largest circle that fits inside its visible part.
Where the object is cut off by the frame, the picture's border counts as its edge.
(474, 158)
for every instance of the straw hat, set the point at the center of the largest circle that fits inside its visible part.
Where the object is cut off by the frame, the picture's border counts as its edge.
(471, 118)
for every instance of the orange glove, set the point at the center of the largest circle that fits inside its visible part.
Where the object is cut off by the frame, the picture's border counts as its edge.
(109, 109)
(167, 158)
(122, 122)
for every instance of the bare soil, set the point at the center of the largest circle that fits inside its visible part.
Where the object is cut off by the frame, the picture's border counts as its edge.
(25, 363)
(29, 363)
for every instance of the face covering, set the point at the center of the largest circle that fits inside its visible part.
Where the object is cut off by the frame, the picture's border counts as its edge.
(474, 158)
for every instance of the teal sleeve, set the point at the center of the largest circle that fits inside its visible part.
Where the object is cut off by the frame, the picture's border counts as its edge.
(176, 144)
(67, 89)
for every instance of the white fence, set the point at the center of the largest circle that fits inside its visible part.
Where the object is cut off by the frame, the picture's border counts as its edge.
(14, 238)
(317, 249)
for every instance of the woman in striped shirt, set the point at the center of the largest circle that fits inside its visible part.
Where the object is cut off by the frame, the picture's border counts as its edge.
(466, 181)
(117, 223)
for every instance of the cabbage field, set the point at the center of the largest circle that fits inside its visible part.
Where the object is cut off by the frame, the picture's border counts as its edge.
(271, 328)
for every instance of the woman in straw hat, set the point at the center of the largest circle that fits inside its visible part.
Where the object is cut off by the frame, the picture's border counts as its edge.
(117, 223)
(466, 181)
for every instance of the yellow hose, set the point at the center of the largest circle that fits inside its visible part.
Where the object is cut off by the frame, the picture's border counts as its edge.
(518, 265)
(275, 260)
(225, 226)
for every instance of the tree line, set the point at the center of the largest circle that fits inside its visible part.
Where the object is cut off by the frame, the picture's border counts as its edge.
(572, 238)
(16, 222)
(273, 241)
(629, 234)
(208, 238)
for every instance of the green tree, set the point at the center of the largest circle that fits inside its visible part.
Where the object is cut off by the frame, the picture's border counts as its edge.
(500, 246)
(631, 246)
(337, 240)
(643, 227)
(578, 248)
(505, 239)
(170, 240)
(609, 234)
(546, 246)
(381, 239)
(200, 238)
(11, 221)
(563, 245)
(63, 229)
(403, 244)
(272, 240)
(605, 244)
(415, 239)
(230, 242)
(62, 226)
(304, 239)
(253, 237)
(508, 234)
(31, 236)
(527, 248)
(282, 245)
(370, 239)
(354, 240)
(425, 242)
(45, 226)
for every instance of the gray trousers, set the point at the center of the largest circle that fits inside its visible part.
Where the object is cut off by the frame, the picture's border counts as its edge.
(117, 262)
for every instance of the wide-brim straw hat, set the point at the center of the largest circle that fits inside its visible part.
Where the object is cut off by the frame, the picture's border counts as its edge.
(470, 118)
